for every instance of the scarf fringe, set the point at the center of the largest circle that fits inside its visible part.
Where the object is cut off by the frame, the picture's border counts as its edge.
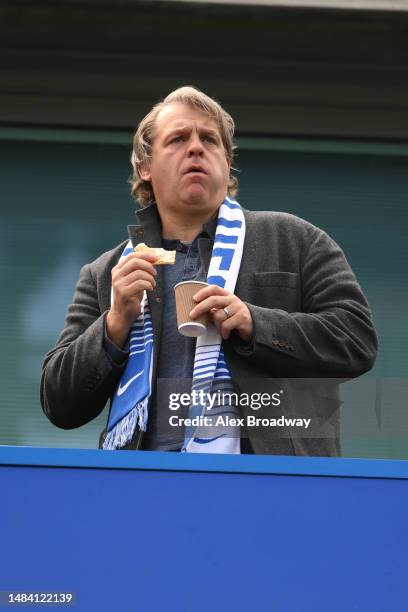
(123, 431)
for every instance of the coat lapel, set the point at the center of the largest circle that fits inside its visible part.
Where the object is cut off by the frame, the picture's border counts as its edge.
(248, 257)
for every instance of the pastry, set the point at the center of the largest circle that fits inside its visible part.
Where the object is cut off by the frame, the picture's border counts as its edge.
(163, 256)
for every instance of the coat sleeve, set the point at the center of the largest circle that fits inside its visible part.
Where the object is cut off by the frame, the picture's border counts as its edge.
(331, 336)
(78, 374)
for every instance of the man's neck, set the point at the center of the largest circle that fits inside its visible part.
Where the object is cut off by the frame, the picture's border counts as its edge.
(182, 229)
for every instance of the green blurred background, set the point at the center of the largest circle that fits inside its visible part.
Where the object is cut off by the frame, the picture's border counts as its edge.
(65, 202)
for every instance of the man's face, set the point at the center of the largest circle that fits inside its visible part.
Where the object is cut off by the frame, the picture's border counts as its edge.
(188, 168)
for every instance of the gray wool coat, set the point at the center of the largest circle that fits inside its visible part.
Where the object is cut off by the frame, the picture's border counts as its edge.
(312, 329)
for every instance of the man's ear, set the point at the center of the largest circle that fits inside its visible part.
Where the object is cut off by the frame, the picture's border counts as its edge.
(144, 172)
(229, 168)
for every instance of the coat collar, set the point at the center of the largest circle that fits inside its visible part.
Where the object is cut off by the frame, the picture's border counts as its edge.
(149, 223)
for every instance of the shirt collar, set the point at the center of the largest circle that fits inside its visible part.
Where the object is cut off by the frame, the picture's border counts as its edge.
(149, 215)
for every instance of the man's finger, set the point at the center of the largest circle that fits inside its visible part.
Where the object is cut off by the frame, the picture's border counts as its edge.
(132, 263)
(219, 315)
(208, 291)
(214, 301)
(136, 289)
(144, 256)
(136, 275)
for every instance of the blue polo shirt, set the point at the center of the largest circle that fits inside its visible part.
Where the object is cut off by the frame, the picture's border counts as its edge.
(176, 357)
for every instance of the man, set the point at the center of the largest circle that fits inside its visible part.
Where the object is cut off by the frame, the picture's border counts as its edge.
(283, 302)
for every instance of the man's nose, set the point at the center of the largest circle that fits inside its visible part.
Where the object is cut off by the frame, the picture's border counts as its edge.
(195, 146)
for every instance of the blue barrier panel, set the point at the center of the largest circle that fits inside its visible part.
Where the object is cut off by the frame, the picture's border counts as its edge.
(147, 532)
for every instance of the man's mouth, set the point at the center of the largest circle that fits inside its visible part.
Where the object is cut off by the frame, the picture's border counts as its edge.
(195, 170)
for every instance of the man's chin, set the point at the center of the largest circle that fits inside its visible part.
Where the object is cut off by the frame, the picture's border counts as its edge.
(196, 200)
(199, 198)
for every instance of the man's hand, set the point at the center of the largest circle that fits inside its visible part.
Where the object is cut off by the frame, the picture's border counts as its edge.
(132, 276)
(214, 299)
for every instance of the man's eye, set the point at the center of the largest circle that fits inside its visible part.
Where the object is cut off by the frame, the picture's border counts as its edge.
(211, 139)
(176, 139)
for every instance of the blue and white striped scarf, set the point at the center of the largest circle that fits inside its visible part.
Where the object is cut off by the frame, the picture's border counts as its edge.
(129, 407)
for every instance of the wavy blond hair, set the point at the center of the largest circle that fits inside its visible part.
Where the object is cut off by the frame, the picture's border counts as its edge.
(141, 190)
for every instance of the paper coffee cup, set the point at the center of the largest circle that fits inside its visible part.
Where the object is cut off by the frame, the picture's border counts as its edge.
(184, 305)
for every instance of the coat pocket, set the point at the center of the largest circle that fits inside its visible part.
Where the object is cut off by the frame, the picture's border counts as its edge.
(275, 290)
